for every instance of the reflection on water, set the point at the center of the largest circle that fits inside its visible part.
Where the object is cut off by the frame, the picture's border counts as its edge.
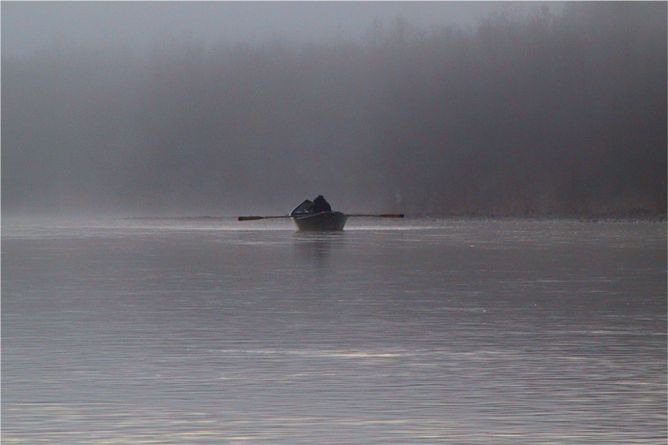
(316, 248)
(470, 332)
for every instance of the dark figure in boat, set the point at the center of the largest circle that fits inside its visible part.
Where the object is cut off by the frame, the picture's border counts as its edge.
(318, 205)
(317, 216)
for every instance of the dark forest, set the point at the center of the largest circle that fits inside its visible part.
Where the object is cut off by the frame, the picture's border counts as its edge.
(541, 115)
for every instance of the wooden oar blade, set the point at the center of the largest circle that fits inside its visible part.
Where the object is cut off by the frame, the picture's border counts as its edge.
(391, 215)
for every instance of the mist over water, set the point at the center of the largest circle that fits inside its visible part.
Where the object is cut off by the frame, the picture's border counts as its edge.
(431, 331)
(540, 110)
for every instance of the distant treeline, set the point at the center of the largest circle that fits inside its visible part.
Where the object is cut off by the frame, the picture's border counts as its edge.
(521, 115)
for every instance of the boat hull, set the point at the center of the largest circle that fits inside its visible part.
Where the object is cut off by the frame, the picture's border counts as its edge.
(321, 222)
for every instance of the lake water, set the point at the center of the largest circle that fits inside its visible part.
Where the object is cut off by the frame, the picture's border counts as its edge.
(399, 331)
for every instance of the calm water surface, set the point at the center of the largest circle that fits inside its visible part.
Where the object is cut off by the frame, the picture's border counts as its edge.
(412, 331)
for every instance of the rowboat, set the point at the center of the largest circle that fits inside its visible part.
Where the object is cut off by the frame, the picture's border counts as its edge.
(317, 216)
(320, 222)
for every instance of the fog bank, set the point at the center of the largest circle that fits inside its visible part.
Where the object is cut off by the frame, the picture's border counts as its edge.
(541, 114)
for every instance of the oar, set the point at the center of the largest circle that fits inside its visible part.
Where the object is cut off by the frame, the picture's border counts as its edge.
(253, 218)
(380, 215)
(362, 215)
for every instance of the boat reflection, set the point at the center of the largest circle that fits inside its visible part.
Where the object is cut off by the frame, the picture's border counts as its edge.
(316, 247)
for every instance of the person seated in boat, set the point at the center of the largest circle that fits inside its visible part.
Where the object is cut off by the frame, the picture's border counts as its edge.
(320, 204)
(303, 208)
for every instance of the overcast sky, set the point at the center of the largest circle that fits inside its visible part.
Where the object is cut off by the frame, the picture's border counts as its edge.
(29, 26)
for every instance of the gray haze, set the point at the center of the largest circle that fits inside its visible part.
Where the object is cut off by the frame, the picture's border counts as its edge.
(29, 27)
(432, 108)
